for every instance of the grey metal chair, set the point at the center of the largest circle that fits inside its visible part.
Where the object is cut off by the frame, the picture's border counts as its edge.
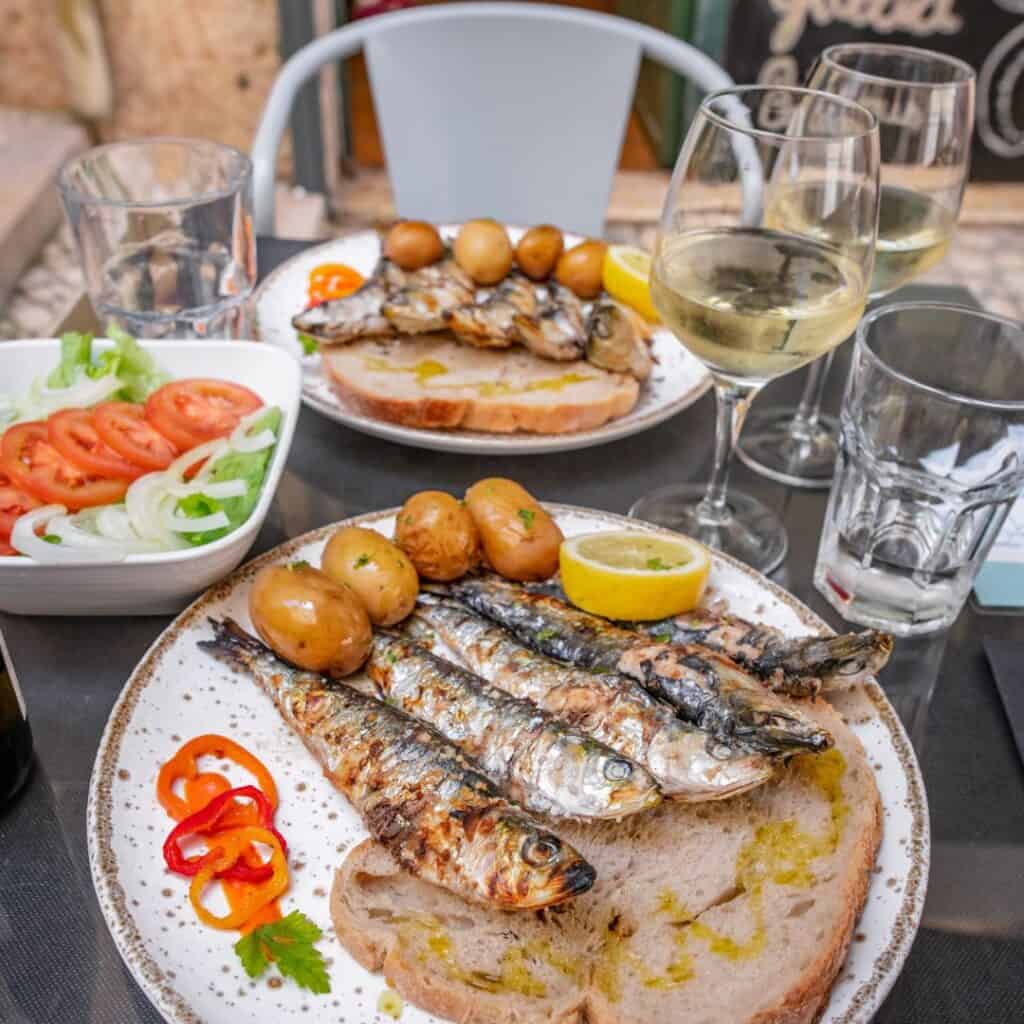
(508, 110)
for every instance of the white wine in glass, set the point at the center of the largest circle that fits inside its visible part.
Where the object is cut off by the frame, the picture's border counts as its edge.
(753, 303)
(914, 230)
(750, 300)
(924, 103)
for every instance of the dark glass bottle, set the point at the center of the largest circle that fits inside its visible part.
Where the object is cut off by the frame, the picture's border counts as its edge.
(15, 737)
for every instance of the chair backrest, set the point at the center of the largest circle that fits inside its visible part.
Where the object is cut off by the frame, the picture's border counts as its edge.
(508, 110)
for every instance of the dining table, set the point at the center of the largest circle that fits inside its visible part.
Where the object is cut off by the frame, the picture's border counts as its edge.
(58, 963)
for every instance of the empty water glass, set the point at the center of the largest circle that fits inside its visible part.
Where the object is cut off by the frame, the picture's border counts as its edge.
(931, 459)
(164, 233)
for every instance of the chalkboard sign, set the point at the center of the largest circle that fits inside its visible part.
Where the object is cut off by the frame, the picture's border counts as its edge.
(776, 41)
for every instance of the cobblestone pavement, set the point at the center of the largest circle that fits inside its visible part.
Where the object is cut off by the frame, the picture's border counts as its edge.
(989, 260)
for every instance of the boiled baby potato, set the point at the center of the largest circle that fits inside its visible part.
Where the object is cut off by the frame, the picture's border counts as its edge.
(483, 251)
(538, 251)
(519, 538)
(381, 574)
(438, 535)
(309, 620)
(580, 268)
(413, 244)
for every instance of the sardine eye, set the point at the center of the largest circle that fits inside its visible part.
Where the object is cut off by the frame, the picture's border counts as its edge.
(617, 770)
(852, 668)
(539, 851)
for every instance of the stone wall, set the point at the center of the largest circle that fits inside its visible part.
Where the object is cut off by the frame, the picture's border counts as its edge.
(180, 67)
(30, 75)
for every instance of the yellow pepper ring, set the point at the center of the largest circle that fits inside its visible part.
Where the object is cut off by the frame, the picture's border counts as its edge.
(230, 845)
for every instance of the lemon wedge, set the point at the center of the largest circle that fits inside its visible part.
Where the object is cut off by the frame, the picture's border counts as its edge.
(629, 574)
(624, 274)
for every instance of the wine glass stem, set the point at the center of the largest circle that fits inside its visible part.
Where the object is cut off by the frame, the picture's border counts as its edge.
(731, 402)
(809, 409)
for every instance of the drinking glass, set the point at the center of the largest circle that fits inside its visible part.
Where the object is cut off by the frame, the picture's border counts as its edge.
(750, 300)
(924, 103)
(931, 458)
(164, 232)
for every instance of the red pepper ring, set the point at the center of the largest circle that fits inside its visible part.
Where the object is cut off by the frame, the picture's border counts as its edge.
(205, 821)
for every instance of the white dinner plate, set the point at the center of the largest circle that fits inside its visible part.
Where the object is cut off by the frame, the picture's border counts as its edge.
(177, 692)
(678, 380)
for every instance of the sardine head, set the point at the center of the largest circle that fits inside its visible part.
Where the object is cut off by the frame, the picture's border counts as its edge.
(867, 654)
(586, 779)
(517, 864)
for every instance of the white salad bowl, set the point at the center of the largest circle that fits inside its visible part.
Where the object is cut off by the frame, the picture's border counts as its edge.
(152, 584)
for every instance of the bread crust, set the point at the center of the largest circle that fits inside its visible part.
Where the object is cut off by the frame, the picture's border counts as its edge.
(560, 412)
(804, 972)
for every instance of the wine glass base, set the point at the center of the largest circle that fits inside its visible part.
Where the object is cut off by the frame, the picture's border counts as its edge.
(770, 446)
(753, 533)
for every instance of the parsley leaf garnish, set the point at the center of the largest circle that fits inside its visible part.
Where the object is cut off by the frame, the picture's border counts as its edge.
(663, 636)
(289, 944)
(51, 538)
(657, 565)
(309, 344)
(361, 561)
(527, 515)
(546, 634)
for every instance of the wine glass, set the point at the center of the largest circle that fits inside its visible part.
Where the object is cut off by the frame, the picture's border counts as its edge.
(750, 300)
(924, 103)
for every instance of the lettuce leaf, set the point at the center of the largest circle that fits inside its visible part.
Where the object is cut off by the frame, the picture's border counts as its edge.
(248, 466)
(137, 369)
(75, 359)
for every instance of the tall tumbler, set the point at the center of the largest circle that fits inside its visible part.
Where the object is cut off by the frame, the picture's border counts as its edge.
(931, 459)
(164, 234)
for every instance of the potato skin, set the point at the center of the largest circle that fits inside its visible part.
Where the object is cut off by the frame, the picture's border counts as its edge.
(538, 251)
(413, 244)
(438, 535)
(483, 251)
(309, 620)
(519, 538)
(579, 268)
(381, 574)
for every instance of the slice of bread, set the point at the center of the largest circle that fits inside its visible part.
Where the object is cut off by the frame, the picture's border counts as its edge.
(738, 912)
(434, 382)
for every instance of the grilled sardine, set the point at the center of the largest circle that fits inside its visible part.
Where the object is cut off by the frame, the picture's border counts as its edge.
(356, 316)
(799, 666)
(614, 343)
(706, 688)
(556, 330)
(541, 763)
(419, 797)
(491, 323)
(428, 297)
(686, 763)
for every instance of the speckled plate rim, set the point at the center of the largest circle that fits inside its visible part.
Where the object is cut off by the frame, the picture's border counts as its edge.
(174, 1007)
(470, 441)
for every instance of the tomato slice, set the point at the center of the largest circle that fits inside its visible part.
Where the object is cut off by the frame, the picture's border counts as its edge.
(14, 503)
(73, 434)
(124, 429)
(35, 466)
(332, 281)
(189, 412)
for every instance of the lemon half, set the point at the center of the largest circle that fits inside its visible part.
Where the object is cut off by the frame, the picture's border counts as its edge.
(629, 574)
(625, 274)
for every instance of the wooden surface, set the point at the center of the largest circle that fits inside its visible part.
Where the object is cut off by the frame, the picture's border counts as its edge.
(365, 197)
